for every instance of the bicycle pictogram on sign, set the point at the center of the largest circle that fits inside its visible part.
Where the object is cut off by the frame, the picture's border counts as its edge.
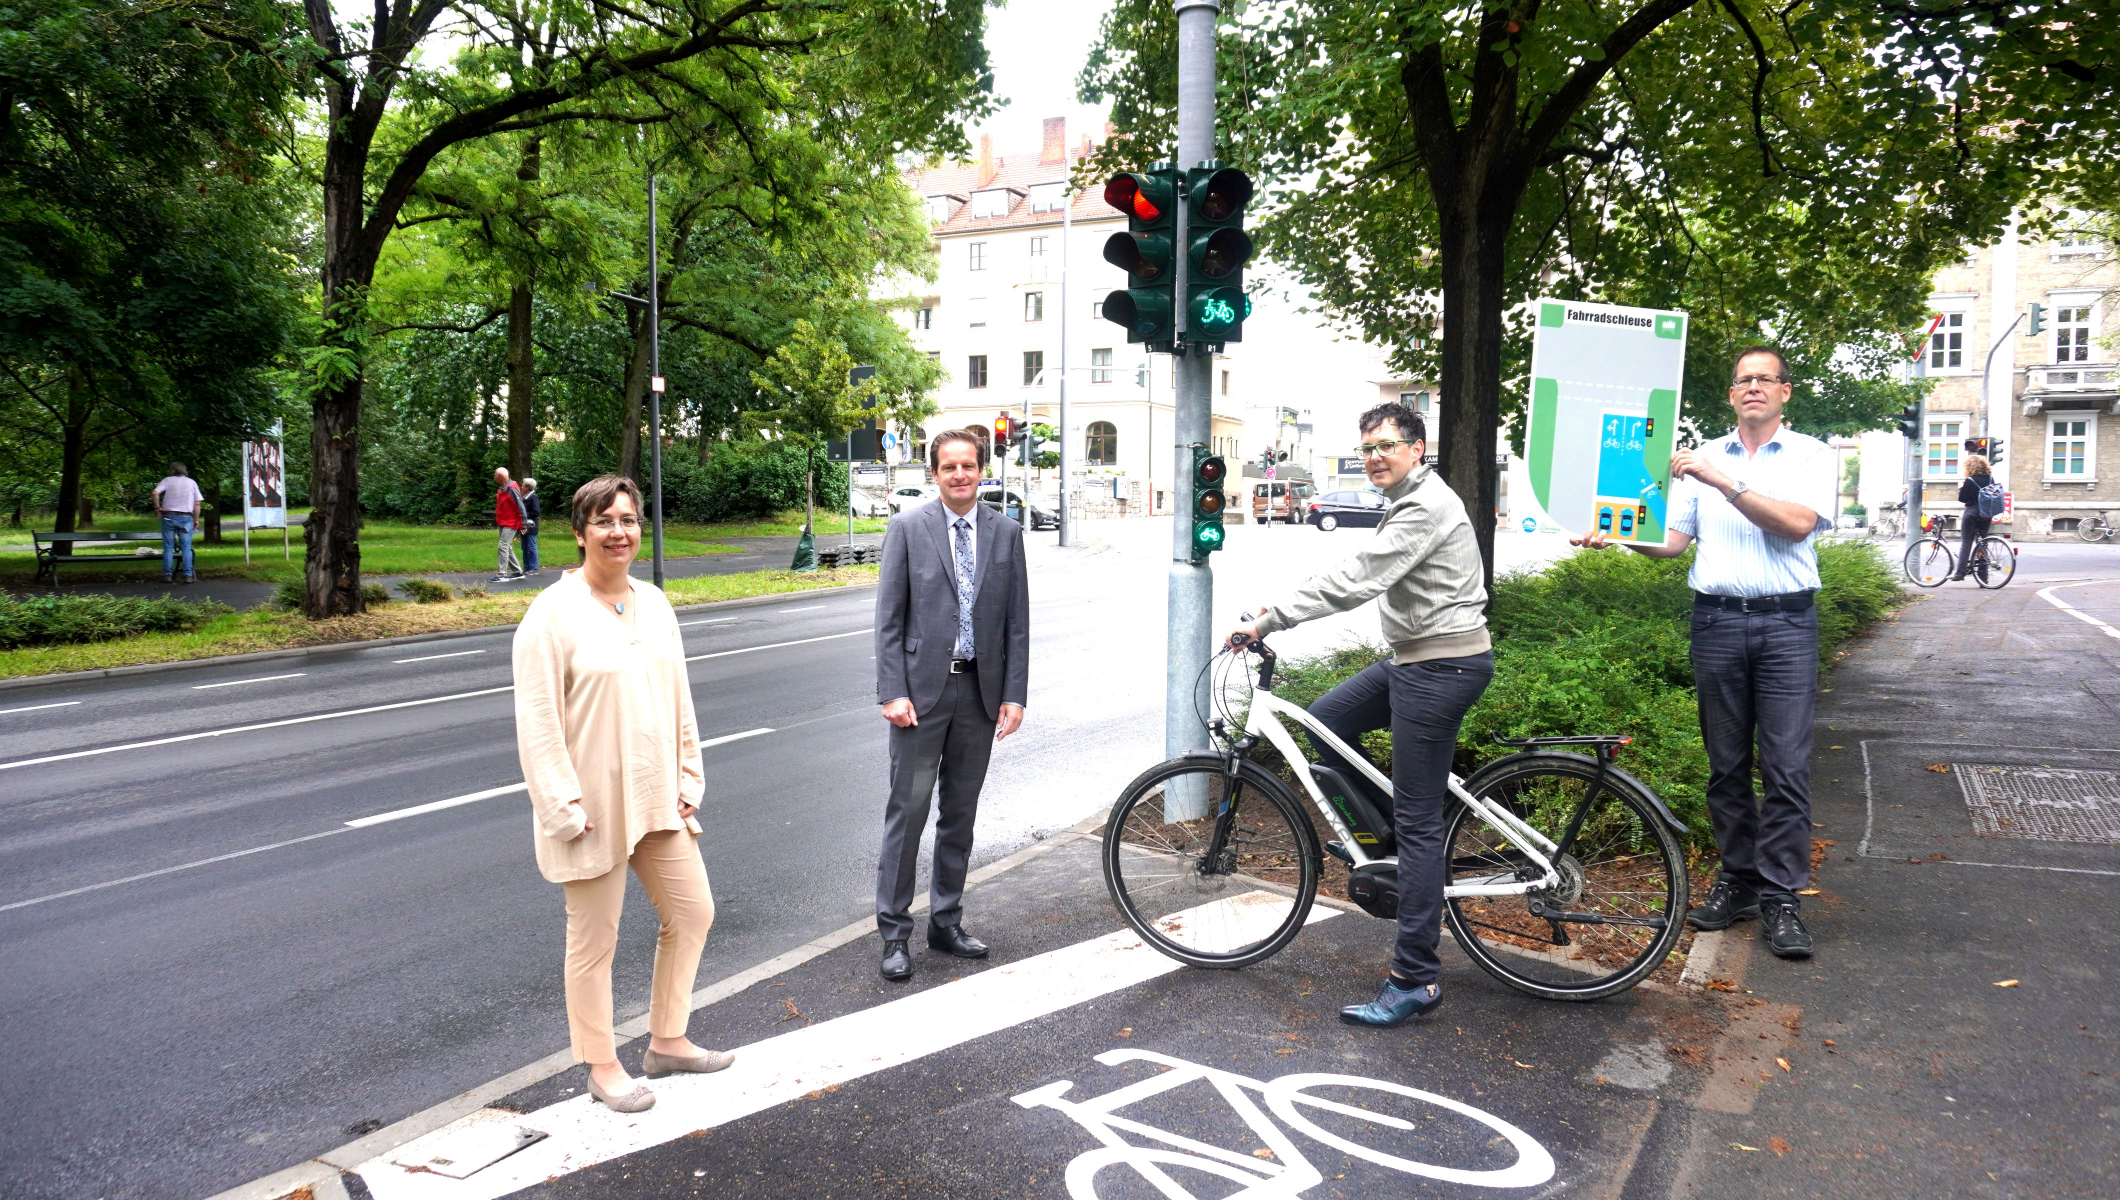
(1288, 1174)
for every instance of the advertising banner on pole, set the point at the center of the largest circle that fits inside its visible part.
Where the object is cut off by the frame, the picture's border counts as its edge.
(265, 483)
(1605, 382)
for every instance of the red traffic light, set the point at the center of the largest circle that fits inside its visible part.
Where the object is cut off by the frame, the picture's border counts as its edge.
(1124, 193)
(1212, 470)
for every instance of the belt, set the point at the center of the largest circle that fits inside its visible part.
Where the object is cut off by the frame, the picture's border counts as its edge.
(960, 666)
(1786, 602)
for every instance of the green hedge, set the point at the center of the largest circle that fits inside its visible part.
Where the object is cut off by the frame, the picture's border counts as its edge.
(61, 620)
(1598, 643)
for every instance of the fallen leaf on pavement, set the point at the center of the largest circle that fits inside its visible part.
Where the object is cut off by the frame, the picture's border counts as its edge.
(1262, 1152)
(1742, 1146)
(1778, 1146)
(1127, 1032)
(1808, 892)
(1526, 1066)
(2005, 983)
(1783, 1063)
(1939, 768)
(1720, 985)
(1831, 1042)
(1836, 747)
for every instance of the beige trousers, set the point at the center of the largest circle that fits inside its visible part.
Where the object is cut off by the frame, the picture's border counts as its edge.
(669, 867)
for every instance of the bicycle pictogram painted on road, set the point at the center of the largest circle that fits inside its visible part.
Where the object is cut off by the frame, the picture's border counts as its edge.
(1288, 1174)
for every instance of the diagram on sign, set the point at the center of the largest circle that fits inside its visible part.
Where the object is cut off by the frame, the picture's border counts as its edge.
(1606, 376)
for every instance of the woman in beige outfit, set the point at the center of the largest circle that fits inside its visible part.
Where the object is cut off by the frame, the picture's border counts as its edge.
(610, 750)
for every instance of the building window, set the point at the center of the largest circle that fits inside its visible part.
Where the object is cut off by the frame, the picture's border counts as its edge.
(2075, 239)
(2072, 333)
(1947, 344)
(1103, 444)
(994, 202)
(2068, 448)
(978, 256)
(1096, 310)
(1942, 454)
(1034, 306)
(975, 312)
(1100, 366)
(923, 318)
(1417, 401)
(942, 208)
(1047, 197)
(1038, 247)
(1225, 383)
(975, 372)
(1033, 368)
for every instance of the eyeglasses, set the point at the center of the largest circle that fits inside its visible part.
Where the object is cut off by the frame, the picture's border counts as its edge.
(607, 524)
(1762, 380)
(1380, 449)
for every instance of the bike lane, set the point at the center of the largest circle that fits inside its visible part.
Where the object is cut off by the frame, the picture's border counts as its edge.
(1076, 1063)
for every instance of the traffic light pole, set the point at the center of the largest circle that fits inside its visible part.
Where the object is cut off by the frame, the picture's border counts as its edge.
(1191, 583)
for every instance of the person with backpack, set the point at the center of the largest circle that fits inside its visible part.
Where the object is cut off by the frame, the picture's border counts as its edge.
(1984, 501)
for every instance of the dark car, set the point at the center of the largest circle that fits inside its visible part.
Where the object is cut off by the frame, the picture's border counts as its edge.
(1041, 516)
(1334, 509)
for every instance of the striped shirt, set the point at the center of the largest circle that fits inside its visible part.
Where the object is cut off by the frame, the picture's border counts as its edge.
(1736, 557)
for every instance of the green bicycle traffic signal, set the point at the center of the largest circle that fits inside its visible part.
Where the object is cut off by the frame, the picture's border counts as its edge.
(1208, 475)
(1216, 250)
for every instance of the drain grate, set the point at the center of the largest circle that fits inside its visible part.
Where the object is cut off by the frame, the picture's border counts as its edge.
(2042, 803)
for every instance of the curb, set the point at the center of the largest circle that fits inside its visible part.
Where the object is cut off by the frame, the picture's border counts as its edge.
(322, 1174)
(8, 685)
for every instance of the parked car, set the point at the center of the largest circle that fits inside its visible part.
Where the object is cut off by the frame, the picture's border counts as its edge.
(1280, 500)
(1334, 509)
(909, 496)
(868, 504)
(1041, 516)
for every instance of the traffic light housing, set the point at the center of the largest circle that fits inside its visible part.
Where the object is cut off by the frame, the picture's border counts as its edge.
(1910, 422)
(1209, 473)
(1216, 250)
(1146, 252)
(1004, 426)
(1989, 448)
(2037, 325)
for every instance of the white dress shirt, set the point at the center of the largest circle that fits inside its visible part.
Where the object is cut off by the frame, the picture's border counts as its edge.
(1734, 557)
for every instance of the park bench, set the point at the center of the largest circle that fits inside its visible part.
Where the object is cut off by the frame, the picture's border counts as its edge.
(49, 558)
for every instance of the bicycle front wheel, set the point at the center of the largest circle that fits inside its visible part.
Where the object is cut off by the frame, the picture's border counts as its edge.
(1619, 907)
(1998, 563)
(1929, 562)
(1211, 870)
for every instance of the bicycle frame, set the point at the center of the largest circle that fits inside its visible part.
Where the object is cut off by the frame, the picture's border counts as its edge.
(1264, 721)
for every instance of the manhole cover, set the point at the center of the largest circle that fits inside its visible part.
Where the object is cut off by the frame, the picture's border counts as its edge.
(2043, 803)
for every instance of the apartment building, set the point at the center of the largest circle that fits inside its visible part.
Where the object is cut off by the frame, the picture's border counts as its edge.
(2053, 399)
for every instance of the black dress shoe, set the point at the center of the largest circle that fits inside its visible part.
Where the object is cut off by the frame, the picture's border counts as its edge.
(1783, 929)
(951, 940)
(897, 964)
(1726, 903)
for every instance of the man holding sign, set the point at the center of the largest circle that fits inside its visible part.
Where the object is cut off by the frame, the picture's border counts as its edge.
(1756, 501)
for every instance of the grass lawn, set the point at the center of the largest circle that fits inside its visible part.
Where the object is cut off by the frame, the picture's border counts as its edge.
(244, 632)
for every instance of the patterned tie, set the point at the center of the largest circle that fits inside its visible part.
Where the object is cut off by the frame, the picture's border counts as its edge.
(964, 588)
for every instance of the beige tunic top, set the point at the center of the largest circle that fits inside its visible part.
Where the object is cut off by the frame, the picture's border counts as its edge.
(604, 726)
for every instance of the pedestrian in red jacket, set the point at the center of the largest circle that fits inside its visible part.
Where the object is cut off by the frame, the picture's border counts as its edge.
(510, 516)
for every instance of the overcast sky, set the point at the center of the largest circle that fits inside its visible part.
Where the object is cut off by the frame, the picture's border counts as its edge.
(1037, 48)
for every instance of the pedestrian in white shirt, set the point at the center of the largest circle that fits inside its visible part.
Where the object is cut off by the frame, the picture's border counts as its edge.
(177, 503)
(1755, 501)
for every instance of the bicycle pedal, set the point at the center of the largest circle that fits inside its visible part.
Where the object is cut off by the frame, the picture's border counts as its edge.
(1338, 851)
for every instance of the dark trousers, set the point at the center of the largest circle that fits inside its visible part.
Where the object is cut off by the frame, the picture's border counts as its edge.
(1756, 675)
(1422, 704)
(1971, 528)
(950, 746)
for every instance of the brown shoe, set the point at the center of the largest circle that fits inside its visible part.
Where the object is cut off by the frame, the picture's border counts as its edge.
(655, 1065)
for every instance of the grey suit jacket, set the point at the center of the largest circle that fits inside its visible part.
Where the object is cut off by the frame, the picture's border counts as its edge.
(916, 609)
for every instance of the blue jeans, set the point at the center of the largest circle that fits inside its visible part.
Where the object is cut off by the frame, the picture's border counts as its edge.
(176, 539)
(1756, 675)
(1422, 704)
(530, 549)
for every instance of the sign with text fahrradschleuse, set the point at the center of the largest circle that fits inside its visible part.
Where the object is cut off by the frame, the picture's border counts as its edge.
(1605, 382)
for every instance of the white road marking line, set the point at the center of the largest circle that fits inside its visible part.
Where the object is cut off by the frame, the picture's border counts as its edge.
(779, 1069)
(35, 707)
(435, 806)
(726, 738)
(804, 608)
(777, 645)
(192, 737)
(432, 657)
(715, 621)
(96, 887)
(2047, 594)
(200, 687)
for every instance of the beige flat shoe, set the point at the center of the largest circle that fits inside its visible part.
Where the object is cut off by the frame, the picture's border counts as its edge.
(640, 1099)
(655, 1066)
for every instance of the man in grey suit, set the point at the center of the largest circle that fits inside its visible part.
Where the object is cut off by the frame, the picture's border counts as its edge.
(952, 662)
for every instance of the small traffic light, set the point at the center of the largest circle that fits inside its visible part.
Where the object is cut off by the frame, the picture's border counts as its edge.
(1989, 448)
(1266, 457)
(1216, 251)
(1910, 422)
(2037, 325)
(1145, 252)
(1003, 425)
(1209, 472)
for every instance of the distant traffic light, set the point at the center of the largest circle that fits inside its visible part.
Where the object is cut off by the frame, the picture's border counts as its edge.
(1003, 426)
(1217, 249)
(1910, 422)
(1146, 252)
(2037, 325)
(1989, 448)
(1209, 473)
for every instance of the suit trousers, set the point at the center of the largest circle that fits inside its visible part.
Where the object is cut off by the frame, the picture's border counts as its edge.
(1756, 676)
(668, 865)
(951, 746)
(1422, 704)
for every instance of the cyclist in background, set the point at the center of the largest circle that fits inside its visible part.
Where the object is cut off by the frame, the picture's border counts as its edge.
(1426, 566)
(1974, 524)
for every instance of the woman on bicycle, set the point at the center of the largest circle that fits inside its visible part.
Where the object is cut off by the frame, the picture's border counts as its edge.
(1425, 564)
(1972, 526)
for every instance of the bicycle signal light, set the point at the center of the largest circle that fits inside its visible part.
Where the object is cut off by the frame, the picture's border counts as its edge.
(1208, 474)
(1216, 250)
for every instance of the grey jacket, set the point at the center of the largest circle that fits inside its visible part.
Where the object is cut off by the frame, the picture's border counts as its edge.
(916, 609)
(1424, 562)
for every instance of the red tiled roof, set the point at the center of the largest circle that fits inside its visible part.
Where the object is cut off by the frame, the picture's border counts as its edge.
(1018, 171)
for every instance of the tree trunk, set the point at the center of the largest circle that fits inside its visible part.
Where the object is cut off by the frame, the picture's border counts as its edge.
(331, 536)
(73, 440)
(809, 492)
(211, 512)
(1471, 385)
(636, 389)
(522, 384)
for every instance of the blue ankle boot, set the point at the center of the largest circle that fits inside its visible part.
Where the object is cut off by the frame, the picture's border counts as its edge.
(1393, 1006)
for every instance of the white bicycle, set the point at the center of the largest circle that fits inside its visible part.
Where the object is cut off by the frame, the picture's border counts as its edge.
(1566, 876)
(1288, 1173)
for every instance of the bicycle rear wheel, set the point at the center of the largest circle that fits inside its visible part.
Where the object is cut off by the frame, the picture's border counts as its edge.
(2093, 529)
(1929, 562)
(1620, 906)
(1998, 563)
(1208, 906)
